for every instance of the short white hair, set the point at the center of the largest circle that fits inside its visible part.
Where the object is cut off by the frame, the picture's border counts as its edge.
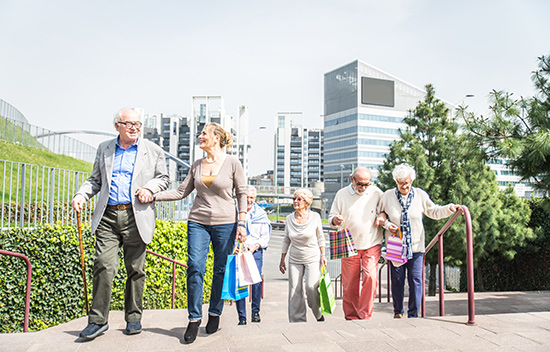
(305, 194)
(251, 189)
(402, 171)
(118, 114)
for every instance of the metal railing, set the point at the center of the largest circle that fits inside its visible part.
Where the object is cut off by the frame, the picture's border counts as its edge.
(469, 265)
(174, 263)
(28, 291)
(34, 195)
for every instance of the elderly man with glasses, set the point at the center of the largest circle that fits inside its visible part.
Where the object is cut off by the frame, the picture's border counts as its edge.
(355, 208)
(127, 172)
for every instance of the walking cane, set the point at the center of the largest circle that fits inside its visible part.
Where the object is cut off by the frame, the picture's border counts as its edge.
(82, 260)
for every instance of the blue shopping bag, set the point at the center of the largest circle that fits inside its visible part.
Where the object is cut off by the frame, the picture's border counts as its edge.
(231, 290)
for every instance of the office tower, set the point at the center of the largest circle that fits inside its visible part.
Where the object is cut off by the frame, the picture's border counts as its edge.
(364, 108)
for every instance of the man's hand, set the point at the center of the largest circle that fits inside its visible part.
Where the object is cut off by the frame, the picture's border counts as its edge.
(380, 219)
(337, 220)
(78, 202)
(144, 195)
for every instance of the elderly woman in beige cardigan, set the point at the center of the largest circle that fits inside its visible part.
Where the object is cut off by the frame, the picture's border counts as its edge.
(304, 242)
(405, 206)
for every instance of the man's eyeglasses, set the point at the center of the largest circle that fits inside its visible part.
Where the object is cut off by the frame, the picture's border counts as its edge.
(361, 184)
(130, 125)
(298, 199)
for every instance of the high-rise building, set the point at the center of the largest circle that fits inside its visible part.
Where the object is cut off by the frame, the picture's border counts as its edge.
(298, 153)
(364, 108)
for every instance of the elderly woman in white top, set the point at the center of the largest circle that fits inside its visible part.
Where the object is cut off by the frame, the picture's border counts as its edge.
(304, 235)
(404, 206)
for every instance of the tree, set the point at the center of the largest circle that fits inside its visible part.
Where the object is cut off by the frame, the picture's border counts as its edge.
(451, 167)
(519, 129)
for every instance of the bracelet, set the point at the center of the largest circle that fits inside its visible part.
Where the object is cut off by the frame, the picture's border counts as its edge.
(241, 225)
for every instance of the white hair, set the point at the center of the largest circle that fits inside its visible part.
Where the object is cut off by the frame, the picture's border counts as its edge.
(306, 194)
(118, 114)
(252, 189)
(402, 171)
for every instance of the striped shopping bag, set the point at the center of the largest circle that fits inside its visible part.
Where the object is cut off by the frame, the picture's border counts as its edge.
(396, 248)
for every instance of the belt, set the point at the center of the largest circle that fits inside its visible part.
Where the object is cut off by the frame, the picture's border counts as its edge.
(120, 206)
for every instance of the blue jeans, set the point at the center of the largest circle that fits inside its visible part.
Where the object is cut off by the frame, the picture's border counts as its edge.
(256, 289)
(413, 270)
(198, 239)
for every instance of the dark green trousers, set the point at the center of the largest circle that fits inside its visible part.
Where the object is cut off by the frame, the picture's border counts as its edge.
(118, 229)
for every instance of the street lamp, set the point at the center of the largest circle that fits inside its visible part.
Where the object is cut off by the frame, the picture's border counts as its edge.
(341, 175)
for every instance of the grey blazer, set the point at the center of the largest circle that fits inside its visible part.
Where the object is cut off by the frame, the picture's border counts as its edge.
(149, 172)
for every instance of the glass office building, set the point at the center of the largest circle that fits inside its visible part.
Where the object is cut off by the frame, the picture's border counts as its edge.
(363, 110)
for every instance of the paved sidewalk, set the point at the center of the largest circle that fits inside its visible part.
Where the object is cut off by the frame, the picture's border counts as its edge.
(506, 321)
(509, 321)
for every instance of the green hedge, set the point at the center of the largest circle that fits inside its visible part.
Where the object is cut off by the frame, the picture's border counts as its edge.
(57, 290)
(529, 270)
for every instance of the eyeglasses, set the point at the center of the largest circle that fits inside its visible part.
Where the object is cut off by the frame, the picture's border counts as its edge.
(361, 184)
(298, 199)
(130, 125)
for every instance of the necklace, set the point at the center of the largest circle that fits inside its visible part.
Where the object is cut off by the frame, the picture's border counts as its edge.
(210, 162)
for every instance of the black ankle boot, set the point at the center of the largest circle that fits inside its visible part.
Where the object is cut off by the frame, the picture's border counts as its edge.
(213, 324)
(192, 331)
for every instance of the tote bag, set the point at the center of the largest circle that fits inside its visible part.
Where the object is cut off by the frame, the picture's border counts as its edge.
(326, 293)
(248, 270)
(231, 290)
(396, 248)
(341, 244)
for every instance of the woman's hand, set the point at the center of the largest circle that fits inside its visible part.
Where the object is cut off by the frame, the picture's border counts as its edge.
(454, 207)
(241, 234)
(324, 260)
(393, 228)
(282, 266)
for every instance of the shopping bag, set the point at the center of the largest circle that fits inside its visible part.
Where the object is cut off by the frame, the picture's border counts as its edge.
(248, 270)
(326, 293)
(231, 290)
(396, 248)
(341, 244)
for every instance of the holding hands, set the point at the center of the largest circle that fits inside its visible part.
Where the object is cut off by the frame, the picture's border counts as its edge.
(144, 195)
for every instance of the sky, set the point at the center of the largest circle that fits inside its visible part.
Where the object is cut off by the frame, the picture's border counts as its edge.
(71, 64)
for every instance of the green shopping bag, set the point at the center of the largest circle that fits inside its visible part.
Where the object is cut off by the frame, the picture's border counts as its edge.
(328, 303)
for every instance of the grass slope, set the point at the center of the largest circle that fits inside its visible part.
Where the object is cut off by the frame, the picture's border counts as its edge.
(14, 152)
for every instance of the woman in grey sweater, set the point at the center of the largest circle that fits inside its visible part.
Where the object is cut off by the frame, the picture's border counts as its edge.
(213, 218)
(304, 235)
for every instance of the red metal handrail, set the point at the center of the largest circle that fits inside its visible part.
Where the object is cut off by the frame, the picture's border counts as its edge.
(469, 265)
(28, 294)
(174, 263)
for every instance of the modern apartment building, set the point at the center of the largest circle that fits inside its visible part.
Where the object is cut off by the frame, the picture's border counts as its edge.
(178, 135)
(298, 153)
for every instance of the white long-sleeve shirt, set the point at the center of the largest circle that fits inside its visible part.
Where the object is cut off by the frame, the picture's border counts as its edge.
(304, 240)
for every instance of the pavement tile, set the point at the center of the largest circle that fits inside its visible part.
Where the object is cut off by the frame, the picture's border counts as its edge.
(317, 347)
(370, 345)
(509, 339)
(540, 336)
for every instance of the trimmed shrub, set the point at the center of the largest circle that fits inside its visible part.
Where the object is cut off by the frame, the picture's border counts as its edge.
(57, 293)
(529, 270)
